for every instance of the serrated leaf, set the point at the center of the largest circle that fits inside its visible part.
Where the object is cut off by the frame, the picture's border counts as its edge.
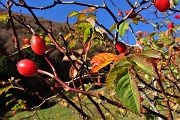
(112, 28)
(87, 35)
(144, 66)
(101, 60)
(118, 67)
(151, 53)
(73, 14)
(127, 91)
(123, 28)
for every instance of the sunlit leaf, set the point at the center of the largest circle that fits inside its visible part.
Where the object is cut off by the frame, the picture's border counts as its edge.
(101, 60)
(144, 66)
(143, 40)
(100, 65)
(87, 35)
(151, 53)
(81, 16)
(2, 90)
(5, 89)
(127, 91)
(47, 39)
(91, 21)
(112, 28)
(73, 14)
(72, 44)
(4, 17)
(123, 28)
(90, 9)
(84, 25)
(118, 67)
(68, 36)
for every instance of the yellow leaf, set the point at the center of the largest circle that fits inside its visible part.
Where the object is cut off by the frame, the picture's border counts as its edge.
(101, 60)
(103, 57)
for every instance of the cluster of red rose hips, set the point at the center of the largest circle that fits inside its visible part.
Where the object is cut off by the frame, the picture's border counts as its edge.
(27, 67)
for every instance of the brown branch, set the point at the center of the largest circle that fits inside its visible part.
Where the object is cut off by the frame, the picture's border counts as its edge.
(17, 45)
(155, 113)
(170, 116)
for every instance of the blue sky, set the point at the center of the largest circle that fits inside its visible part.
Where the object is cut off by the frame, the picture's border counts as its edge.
(59, 12)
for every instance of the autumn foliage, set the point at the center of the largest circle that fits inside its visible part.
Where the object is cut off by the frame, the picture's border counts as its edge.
(137, 70)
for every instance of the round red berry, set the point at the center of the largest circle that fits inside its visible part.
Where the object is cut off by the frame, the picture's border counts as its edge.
(121, 47)
(38, 45)
(162, 5)
(27, 67)
(26, 41)
(170, 25)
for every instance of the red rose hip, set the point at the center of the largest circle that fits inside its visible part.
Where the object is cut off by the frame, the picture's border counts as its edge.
(38, 45)
(162, 5)
(27, 67)
(26, 41)
(121, 47)
(170, 25)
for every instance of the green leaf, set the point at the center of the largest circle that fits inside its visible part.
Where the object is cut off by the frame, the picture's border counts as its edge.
(135, 20)
(2, 90)
(144, 66)
(176, 2)
(123, 28)
(116, 69)
(72, 44)
(5, 89)
(47, 39)
(143, 40)
(127, 91)
(84, 25)
(151, 53)
(73, 14)
(87, 35)
(113, 27)
(152, 34)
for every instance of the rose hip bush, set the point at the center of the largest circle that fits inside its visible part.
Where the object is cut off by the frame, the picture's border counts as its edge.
(140, 77)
